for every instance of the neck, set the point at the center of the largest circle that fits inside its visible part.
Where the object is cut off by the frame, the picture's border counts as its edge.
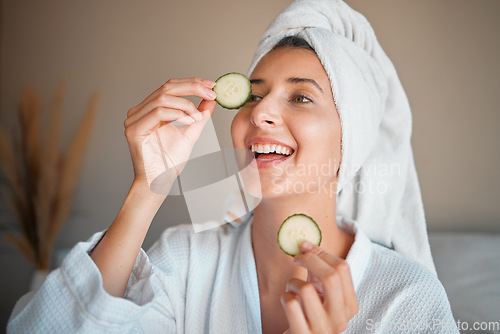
(275, 268)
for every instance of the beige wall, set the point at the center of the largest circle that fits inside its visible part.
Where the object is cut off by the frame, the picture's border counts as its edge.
(446, 53)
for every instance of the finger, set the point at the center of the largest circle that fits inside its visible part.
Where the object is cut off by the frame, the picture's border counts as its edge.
(165, 101)
(189, 88)
(342, 267)
(331, 269)
(313, 307)
(209, 83)
(294, 313)
(146, 125)
(333, 294)
(180, 87)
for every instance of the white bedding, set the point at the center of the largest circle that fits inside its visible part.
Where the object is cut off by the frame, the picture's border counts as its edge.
(468, 265)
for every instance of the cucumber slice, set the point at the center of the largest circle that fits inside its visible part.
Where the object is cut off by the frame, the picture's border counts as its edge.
(233, 90)
(294, 230)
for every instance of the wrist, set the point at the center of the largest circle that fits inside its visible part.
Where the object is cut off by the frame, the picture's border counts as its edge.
(141, 189)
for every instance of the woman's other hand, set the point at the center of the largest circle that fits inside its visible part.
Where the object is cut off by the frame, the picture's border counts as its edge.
(153, 118)
(326, 301)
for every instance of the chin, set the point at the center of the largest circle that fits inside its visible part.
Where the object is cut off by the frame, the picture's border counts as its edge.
(261, 187)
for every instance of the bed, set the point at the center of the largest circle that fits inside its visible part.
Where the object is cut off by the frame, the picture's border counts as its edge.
(468, 265)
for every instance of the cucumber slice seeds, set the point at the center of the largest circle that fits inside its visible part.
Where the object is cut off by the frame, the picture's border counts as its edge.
(233, 90)
(295, 229)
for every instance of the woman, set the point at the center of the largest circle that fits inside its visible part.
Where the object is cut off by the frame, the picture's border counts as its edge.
(235, 279)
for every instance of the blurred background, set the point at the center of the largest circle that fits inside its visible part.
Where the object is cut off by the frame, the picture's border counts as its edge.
(446, 53)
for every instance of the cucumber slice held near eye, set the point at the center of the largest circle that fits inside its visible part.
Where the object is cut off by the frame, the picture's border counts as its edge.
(233, 90)
(295, 229)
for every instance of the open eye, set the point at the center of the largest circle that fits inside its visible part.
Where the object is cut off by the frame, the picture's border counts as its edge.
(254, 98)
(300, 99)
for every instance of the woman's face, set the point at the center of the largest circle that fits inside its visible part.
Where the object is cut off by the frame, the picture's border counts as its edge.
(291, 111)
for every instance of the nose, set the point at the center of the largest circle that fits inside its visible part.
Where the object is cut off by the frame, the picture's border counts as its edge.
(266, 114)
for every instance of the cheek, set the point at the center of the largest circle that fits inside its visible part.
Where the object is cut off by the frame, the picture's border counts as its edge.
(322, 131)
(320, 139)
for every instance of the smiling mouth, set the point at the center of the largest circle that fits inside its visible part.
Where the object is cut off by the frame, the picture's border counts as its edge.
(269, 152)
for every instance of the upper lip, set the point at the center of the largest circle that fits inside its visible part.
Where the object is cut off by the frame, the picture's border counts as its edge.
(267, 141)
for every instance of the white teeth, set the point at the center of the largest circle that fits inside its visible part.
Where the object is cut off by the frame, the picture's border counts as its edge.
(271, 148)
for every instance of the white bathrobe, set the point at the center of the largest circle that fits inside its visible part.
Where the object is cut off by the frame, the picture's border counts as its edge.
(206, 282)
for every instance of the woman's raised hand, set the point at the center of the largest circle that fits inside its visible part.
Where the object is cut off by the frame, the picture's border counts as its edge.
(152, 119)
(146, 124)
(326, 301)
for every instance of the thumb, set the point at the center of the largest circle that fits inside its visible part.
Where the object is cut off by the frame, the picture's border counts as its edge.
(193, 131)
(207, 105)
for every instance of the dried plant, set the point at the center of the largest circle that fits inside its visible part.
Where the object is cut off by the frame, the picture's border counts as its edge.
(40, 177)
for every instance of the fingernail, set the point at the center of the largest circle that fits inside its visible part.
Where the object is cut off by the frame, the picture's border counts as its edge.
(306, 245)
(211, 94)
(197, 116)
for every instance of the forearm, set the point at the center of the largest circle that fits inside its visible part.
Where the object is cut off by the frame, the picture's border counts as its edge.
(115, 254)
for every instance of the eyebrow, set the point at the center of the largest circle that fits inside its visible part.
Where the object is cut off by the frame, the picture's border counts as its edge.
(305, 80)
(256, 81)
(293, 80)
